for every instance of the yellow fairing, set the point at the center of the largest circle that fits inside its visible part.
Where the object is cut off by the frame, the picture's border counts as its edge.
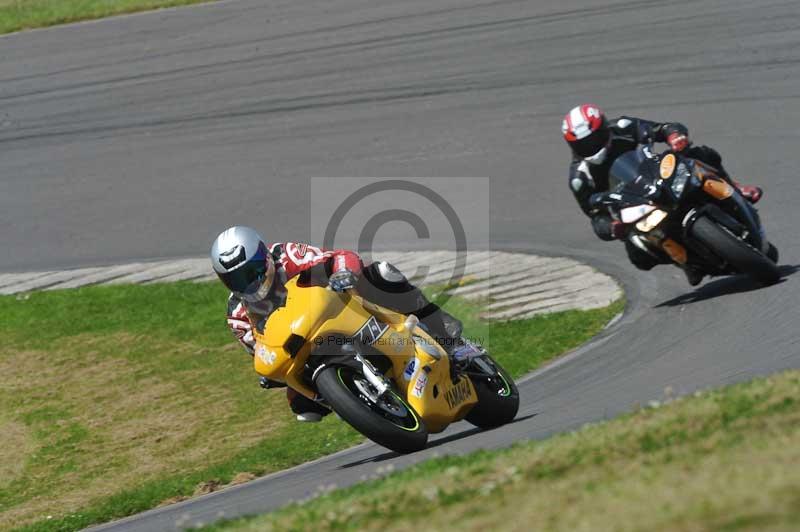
(431, 391)
(317, 318)
(310, 313)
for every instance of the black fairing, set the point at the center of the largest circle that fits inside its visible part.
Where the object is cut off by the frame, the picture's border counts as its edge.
(625, 169)
(635, 179)
(746, 213)
(718, 215)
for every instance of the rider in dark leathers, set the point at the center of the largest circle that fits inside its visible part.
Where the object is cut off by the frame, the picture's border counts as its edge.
(596, 142)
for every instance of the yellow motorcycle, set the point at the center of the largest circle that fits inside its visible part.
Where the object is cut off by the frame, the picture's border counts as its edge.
(377, 369)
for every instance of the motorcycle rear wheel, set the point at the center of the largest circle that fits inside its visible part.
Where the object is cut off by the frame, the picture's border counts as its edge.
(498, 398)
(395, 424)
(735, 251)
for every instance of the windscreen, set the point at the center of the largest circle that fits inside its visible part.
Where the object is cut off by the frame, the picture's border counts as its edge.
(629, 166)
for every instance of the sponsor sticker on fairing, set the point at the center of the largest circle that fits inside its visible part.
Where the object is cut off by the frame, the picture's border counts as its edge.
(458, 393)
(419, 386)
(410, 369)
(370, 331)
(267, 357)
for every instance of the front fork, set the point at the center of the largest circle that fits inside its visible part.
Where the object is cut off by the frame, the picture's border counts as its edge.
(376, 379)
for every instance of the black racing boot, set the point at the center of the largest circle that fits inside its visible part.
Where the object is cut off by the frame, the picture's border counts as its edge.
(305, 409)
(464, 351)
(693, 275)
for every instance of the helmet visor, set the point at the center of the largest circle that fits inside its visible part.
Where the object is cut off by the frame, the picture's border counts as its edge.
(246, 278)
(260, 288)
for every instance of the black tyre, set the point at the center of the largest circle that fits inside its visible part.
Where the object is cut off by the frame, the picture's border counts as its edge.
(498, 398)
(772, 253)
(392, 422)
(735, 251)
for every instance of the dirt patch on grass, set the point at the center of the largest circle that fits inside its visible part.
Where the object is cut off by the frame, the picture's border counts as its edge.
(241, 478)
(18, 443)
(210, 486)
(113, 418)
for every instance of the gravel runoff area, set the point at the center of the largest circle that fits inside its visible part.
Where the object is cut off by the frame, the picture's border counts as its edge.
(513, 285)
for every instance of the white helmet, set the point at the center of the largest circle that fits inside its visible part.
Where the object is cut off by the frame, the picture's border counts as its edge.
(243, 263)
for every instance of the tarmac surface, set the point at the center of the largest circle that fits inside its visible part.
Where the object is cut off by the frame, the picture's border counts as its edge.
(143, 136)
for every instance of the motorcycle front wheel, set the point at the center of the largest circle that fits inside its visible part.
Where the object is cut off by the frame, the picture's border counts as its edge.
(735, 251)
(390, 421)
(498, 397)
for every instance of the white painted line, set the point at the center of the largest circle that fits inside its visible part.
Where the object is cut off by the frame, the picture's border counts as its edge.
(555, 290)
(566, 301)
(423, 261)
(474, 267)
(152, 272)
(205, 278)
(548, 282)
(518, 282)
(584, 305)
(470, 261)
(102, 276)
(496, 266)
(8, 279)
(191, 269)
(46, 281)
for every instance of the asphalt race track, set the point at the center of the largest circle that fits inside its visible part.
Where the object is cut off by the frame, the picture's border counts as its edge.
(143, 136)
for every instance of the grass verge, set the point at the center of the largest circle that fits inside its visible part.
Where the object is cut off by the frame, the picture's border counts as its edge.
(18, 15)
(118, 399)
(726, 460)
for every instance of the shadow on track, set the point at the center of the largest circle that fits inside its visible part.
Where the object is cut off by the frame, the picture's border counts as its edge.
(725, 286)
(388, 455)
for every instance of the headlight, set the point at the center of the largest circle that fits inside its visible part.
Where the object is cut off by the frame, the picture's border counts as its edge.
(637, 212)
(651, 222)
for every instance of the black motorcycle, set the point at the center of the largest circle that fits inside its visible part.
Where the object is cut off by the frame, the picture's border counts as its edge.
(680, 209)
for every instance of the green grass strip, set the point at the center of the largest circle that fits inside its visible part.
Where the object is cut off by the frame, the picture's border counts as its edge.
(125, 397)
(720, 460)
(16, 15)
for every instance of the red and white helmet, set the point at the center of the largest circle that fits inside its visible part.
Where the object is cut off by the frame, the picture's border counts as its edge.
(586, 131)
